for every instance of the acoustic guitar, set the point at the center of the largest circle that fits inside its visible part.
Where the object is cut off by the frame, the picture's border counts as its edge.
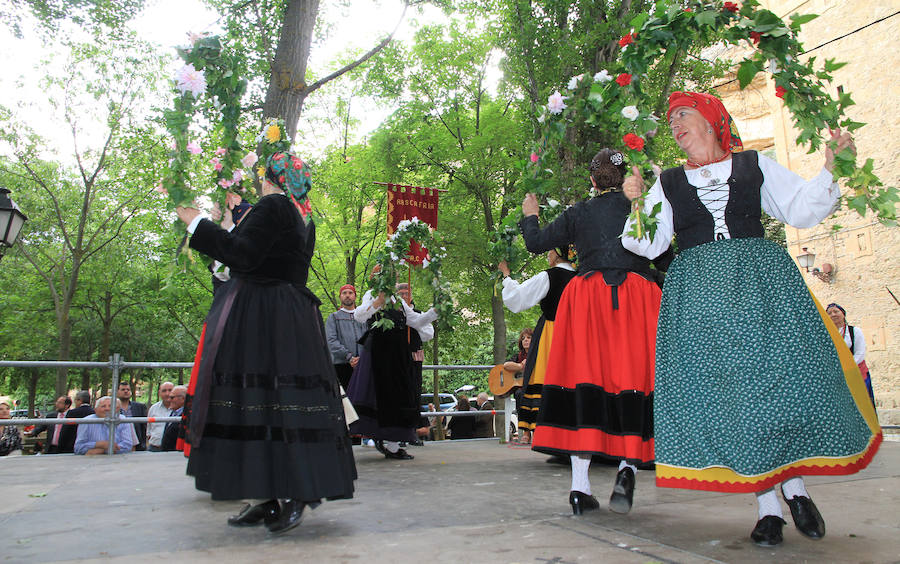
(501, 382)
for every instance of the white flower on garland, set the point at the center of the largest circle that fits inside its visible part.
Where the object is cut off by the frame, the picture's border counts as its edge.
(602, 76)
(189, 79)
(425, 263)
(552, 203)
(573, 82)
(630, 112)
(555, 103)
(394, 256)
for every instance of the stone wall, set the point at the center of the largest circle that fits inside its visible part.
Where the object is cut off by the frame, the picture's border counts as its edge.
(862, 252)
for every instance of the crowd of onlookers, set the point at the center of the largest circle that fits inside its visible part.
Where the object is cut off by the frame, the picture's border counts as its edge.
(91, 439)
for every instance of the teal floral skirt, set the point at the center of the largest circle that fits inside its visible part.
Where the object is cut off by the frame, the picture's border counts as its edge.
(750, 388)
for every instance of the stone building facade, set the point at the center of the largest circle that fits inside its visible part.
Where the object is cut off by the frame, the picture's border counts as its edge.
(862, 252)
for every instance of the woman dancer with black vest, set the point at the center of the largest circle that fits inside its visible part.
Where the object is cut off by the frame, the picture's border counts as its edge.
(750, 388)
(546, 289)
(598, 391)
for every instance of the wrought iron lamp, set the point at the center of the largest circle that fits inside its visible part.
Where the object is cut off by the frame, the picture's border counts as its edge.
(11, 220)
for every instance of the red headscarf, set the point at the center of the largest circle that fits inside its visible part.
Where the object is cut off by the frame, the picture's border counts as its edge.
(714, 112)
(347, 287)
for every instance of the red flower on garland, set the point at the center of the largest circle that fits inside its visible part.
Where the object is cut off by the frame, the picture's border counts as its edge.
(779, 91)
(632, 141)
(755, 36)
(626, 39)
(731, 7)
(688, 10)
(623, 79)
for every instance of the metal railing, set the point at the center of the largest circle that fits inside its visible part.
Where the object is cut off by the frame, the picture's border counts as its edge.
(116, 364)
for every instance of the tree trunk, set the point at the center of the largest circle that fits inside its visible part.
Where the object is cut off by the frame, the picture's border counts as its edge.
(436, 385)
(32, 390)
(287, 83)
(65, 344)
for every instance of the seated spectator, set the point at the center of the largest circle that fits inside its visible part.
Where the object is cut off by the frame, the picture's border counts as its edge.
(82, 409)
(10, 437)
(462, 427)
(54, 443)
(176, 408)
(94, 439)
(159, 409)
(484, 424)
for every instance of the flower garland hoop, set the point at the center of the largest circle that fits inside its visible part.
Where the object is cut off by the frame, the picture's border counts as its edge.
(617, 100)
(392, 257)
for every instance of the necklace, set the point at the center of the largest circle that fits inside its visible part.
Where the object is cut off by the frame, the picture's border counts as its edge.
(706, 173)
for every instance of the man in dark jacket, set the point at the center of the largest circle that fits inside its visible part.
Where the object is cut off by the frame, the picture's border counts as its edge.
(130, 408)
(53, 444)
(82, 409)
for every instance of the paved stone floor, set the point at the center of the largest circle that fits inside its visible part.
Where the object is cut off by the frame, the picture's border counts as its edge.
(465, 501)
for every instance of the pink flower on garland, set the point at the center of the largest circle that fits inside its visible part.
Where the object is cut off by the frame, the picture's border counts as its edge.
(626, 40)
(632, 141)
(225, 183)
(755, 36)
(189, 79)
(731, 7)
(623, 79)
(221, 151)
(534, 157)
(779, 91)
(193, 148)
(249, 159)
(217, 164)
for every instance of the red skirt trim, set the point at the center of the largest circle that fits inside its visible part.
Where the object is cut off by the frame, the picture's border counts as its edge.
(181, 444)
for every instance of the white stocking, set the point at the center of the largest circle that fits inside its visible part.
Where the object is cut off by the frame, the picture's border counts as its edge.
(391, 446)
(768, 503)
(623, 465)
(794, 487)
(581, 463)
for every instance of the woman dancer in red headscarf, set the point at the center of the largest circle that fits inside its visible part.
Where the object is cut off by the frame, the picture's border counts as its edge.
(751, 391)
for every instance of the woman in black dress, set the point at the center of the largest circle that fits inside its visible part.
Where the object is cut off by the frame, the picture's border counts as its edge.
(266, 420)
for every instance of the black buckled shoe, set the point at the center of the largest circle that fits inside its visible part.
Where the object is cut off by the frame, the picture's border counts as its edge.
(767, 531)
(252, 515)
(399, 455)
(806, 516)
(290, 517)
(623, 492)
(582, 502)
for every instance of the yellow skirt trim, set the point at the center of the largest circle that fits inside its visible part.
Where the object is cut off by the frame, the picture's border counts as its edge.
(543, 356)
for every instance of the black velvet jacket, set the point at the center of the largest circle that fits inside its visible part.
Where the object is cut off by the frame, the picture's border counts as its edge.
(272, 242)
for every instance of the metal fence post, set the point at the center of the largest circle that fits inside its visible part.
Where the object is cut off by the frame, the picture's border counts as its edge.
(115, 362)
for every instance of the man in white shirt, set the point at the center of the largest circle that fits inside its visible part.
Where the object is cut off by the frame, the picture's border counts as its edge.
(159, 409)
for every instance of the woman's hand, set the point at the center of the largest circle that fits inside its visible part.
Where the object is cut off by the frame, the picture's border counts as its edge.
(842, 141)
(186, 215)
(530, 205)
(504, 268)
(633, 185)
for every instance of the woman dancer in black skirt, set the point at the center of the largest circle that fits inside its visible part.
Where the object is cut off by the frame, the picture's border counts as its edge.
(266, 420)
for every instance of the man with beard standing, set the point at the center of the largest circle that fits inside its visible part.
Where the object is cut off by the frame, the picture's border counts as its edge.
(342, 332)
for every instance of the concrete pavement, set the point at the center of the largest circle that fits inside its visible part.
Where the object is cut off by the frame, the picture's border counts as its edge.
(458, 501)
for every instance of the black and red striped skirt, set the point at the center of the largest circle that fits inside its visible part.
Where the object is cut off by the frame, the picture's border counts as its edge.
(598, 390)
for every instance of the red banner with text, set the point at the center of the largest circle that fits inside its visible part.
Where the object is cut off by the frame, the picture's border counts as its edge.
(407, 202)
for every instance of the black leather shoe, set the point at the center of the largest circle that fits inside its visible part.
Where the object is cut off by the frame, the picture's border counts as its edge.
(559, 459)
(399, 455)
(252, 515)
(767, 531)
(582, 502)
(806, 516)
(379, 446)
(623, 492)
(290, 517)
